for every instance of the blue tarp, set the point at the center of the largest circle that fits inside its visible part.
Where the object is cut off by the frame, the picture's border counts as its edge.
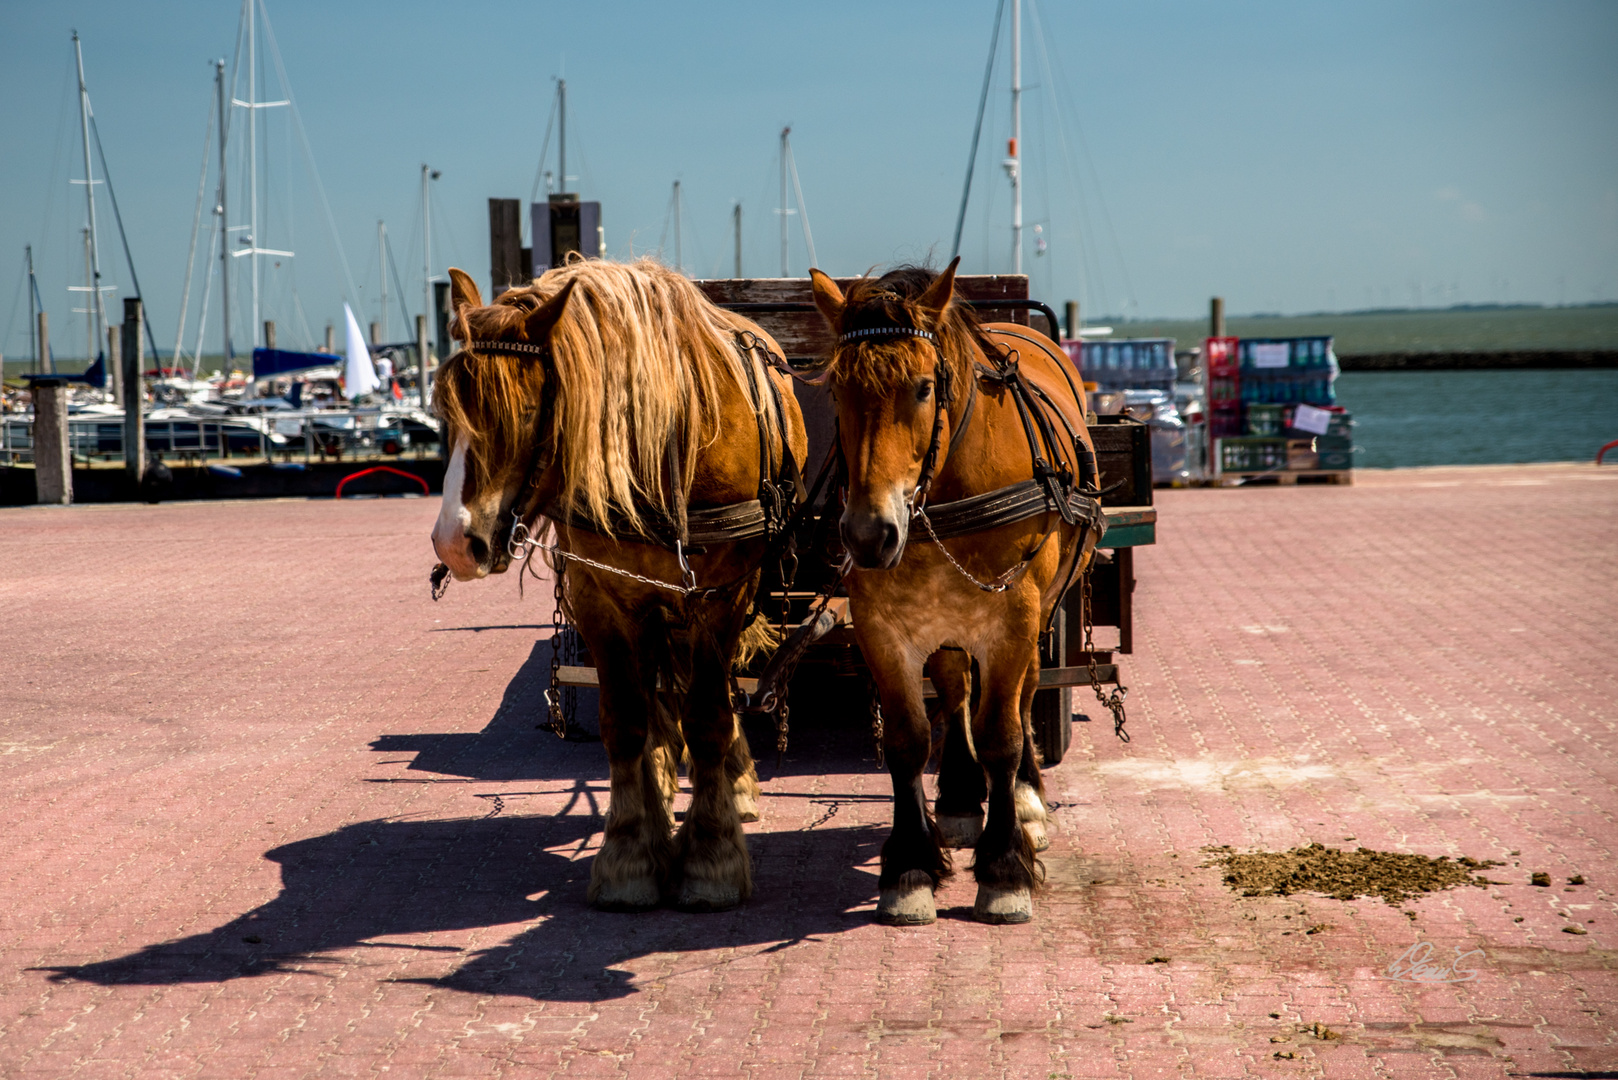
(268, 363)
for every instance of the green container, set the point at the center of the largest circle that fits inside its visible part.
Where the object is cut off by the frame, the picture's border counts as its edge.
(1252, 454)
(1328, 444)
(1263, 420)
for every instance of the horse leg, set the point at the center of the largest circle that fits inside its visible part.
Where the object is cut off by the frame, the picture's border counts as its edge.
(1004, 863)
(959, 807)
(1031, 810)
(667, 750)
(741, 774)
(913, 863)
(629, 870)
(714, 873)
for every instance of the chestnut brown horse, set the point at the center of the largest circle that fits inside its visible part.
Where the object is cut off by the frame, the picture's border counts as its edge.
(950, 430)
(634, 429)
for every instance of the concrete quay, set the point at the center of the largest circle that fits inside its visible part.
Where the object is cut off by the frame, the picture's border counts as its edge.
(270, 812)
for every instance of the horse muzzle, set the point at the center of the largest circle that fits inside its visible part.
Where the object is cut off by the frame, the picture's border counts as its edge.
(874, 541)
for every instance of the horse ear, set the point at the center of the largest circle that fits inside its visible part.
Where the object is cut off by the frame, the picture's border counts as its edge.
(548, 314)
(828, 298)
(463, 293)
(938, 294)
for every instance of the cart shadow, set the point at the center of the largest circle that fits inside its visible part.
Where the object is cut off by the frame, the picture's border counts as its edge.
(830, 733)
(343, 894)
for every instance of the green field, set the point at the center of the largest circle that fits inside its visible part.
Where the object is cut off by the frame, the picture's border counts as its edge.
(1452, 330)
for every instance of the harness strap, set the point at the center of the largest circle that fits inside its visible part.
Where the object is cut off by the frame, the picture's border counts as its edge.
(1006, 506)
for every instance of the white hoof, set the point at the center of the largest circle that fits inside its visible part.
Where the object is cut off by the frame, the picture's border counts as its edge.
(909, 902)
(746, 806)
(1001, 906)
(1030, 807)
(959, 830)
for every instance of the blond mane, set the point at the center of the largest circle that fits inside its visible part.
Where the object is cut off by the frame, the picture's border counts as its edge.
(640, 357)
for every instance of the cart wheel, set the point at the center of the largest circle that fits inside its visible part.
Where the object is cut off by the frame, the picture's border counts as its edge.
(1053, 722)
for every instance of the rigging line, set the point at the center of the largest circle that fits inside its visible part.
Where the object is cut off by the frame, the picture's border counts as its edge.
(196, 227)
(977, 129)
(112, 196)
(803, 211)
(387, 249)
(308, 151)
(207, 294)
(69, 94)
(1106, 213)
(544, 150)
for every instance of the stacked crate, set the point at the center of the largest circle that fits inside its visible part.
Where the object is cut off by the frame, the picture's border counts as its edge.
(1288, 371)
(1127, 364)
(1273, 377)
(1224, 387)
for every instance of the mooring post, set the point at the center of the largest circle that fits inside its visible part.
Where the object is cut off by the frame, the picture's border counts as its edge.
(1216, 317)
(44, 365)
(53, 456)
(376, 334)
(331, 340)
(1073, 320)
(269, 333)
(134, 393)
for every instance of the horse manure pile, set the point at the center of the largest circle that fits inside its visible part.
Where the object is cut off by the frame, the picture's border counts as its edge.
(1344, 875)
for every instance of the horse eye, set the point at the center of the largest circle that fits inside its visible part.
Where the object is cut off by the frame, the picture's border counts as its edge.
(924, 390)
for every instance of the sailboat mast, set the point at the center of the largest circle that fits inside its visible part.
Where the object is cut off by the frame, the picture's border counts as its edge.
(426, 264)
(1014, 162)
(561, 135)
(382, 264)
(224, 221)
(679, 263)
(33, 324)
(785, 236)
(95, 314)
(252, 160)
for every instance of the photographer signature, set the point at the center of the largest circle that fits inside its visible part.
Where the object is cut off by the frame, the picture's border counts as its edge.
(1417, 965)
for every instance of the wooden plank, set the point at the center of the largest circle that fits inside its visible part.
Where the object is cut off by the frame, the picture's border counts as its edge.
(803, 334)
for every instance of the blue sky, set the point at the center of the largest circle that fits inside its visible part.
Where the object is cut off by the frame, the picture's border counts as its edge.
(1289, 156)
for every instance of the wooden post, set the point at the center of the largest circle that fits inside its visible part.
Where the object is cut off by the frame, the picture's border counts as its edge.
(421, 358)
(331, 346)
(269, 333)
(45, 365)
(134, 393)
(1073, 320)
(115, 359)
(53, 456)
(1216, 317)
(376, 334)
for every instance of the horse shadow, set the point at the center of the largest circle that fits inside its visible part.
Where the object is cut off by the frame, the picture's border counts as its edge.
(362, 884)
(830, 732)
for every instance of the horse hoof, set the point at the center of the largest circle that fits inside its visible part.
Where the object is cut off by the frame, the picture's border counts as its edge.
(639, 894)
(1002, 906)
(746, 807)
(959, 830)
(702, 897)
(909, 902)
(1036, 834)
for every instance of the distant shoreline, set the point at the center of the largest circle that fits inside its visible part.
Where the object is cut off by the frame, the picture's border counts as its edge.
(1516, 359)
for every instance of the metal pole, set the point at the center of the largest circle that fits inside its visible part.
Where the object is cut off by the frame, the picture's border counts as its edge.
(1015, 163)
(561, 136)
(91, 338)
(252, 157)
(33, 287)
(786, 131)
(224, 222)
(134, 397)
(737, 214)
(421, 358)
(115, 360)
(96, 317)
(679, 263)
(426, 254)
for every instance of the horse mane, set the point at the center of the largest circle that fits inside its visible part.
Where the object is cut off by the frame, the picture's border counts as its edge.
(640, 357)
(890, 300)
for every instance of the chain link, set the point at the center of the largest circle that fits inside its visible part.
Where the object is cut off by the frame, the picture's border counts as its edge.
(1113, 701)
(998, 585)
(553, 696)
(521, 543)
(877, 729)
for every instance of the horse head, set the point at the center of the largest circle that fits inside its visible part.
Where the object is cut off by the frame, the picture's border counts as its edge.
(491, 397)
(898, 351)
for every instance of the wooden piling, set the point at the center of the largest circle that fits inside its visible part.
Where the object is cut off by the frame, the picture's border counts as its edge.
(1073, 323)
(44, 364)
(53, 455)
(376, 334)
(134, 356)
(1216, 317)
(269, 333)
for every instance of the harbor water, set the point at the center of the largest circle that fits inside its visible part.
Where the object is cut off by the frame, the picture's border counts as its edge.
(1407, 418)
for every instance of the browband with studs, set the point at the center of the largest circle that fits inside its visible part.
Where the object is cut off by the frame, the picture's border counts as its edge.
(887, 331)
(507, 347)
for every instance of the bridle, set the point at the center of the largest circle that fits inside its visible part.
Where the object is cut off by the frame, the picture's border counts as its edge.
(524, 506)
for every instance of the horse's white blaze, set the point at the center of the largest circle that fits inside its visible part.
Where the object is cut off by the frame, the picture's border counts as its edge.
(449, 531)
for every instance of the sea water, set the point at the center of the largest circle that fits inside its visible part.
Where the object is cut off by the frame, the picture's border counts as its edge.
(1405, 418)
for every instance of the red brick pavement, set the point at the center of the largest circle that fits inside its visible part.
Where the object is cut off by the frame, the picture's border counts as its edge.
(271, 813)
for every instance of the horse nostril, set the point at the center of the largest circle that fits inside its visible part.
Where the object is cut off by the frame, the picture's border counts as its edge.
(890, 538)
(477, 549)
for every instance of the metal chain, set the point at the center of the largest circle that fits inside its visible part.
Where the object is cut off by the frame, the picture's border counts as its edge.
(998, 585)
(1114, 700)
(877, 729)
(789, 574)
(553, 696)
(521, 542)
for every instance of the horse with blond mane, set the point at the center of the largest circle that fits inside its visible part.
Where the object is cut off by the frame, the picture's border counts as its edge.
(972, 506)
(613, 417)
